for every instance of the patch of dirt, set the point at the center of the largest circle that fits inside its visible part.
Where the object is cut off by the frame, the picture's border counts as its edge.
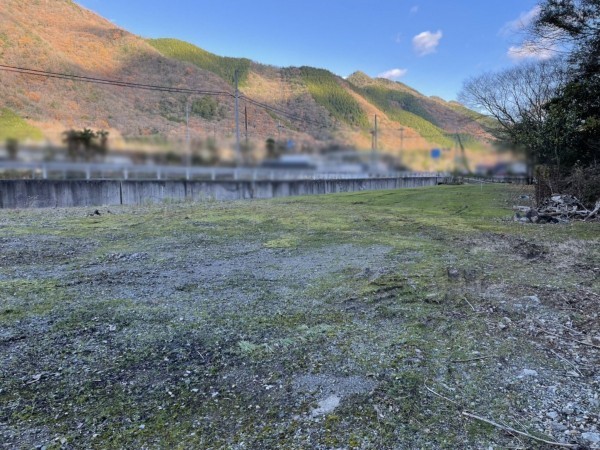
(51, 249)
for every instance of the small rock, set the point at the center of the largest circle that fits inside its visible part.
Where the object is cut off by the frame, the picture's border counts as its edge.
(453, 274)
(326, 406)
(528, 303)
(527, 373)
(552, 414)
(591, 437)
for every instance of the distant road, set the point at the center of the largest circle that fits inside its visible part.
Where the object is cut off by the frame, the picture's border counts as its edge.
(103, 171)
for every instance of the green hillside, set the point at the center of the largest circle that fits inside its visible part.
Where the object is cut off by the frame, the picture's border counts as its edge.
(336, 112)
(400, 102)
(405, 108)
(224, 67)
(390, 100)
(326, 90)
(14, 127)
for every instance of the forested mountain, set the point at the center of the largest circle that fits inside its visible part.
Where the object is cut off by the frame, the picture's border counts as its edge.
(311, 107)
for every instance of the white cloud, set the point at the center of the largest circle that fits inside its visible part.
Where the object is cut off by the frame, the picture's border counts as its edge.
(521, 22)
(532, 50)
(414, 9)
(426, 42)
(393, 74)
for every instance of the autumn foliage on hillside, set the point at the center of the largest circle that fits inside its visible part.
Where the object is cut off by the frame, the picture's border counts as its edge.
(311, 107)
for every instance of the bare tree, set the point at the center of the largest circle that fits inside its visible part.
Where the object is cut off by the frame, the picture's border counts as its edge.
(575, 25)
(517, 99)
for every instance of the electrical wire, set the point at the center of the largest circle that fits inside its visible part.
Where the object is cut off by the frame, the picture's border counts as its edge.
(158, 88)
(281, 112)
(119, 83)
(169, 89)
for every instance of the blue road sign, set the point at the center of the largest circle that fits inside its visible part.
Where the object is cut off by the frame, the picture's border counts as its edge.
(436, 153)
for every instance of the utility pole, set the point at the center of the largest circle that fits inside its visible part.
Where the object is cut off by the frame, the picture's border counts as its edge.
(238, 152)
(374, 145)
(401, 144)
(246, 153)
(246, 123)
(188, 147)
(376, 134)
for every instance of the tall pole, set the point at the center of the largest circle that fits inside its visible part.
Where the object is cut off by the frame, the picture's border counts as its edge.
(238, 152)
(246, 123)
(401, 143)
(246, 155)
(188, 147)
(376, 133)
(374, 146)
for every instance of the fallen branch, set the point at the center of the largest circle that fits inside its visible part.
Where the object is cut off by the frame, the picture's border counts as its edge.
(569, 338)
(473, 359)
(502, 427)
(520, 433)
(567, 361)
(594, 211)
(472, 307)
(441, 396)
(521, 208)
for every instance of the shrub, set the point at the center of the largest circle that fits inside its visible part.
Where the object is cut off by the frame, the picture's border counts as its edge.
(584, 183)
(581, 182)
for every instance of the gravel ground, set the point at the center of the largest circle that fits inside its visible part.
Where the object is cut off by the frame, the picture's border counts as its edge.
(310, 323)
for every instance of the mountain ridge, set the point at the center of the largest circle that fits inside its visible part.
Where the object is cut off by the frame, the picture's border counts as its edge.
(321, 108)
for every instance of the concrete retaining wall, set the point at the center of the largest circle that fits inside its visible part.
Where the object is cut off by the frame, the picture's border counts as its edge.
(54, 193)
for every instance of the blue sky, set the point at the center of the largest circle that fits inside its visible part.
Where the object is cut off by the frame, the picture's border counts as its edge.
(431, 45)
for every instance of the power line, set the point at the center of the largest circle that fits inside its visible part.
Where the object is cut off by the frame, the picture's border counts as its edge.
(282, 112)
(169, 89)
(120, 83)
(151, 87)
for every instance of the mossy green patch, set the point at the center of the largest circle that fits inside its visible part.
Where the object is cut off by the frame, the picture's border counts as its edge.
(21, 298)
(15, 127)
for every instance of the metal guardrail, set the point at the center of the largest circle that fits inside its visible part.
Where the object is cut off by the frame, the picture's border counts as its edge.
(495, 179)
(103, 171)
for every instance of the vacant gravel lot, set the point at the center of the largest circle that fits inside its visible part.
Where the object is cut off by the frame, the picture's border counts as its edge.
(366, 320)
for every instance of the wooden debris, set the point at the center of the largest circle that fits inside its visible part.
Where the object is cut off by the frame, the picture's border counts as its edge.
(559, 208)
